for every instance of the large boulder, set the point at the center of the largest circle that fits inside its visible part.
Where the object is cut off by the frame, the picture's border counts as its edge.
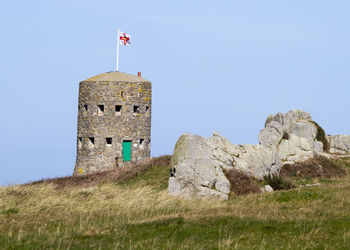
(197, 169)
(198, 164)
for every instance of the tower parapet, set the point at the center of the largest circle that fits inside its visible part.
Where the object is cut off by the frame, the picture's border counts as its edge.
(114, 122)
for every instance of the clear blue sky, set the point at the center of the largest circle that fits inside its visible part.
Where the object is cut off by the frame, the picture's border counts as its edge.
(214, 65)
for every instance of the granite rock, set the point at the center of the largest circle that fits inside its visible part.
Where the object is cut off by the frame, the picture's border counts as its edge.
(339, 144)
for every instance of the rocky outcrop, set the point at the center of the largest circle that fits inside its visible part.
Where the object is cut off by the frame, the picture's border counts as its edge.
(293, 135)
(198, 164)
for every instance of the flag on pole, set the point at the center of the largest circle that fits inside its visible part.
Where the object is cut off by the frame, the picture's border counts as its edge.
(124, 38)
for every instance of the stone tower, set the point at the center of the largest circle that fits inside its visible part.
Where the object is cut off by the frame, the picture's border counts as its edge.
(114, 122)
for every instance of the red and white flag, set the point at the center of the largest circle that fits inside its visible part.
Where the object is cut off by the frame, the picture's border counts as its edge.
(124, 38)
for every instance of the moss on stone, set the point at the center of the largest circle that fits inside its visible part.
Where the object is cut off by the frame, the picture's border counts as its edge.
(321, 136)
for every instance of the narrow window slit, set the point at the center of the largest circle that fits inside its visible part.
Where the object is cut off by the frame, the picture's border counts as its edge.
(136, 109)
(101, 108)
(86, 107)
(118, 108)
(109, 141)
(141, 141)
(92, 140)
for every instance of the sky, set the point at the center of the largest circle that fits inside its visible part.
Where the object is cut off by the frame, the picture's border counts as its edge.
(214, 66)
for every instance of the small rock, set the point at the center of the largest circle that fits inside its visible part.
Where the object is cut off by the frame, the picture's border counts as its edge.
(313, 185)
(268, 188)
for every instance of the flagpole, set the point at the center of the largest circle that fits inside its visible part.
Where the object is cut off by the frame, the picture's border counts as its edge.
(118, 50)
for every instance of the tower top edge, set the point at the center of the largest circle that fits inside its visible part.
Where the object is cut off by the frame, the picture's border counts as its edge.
(116, 77)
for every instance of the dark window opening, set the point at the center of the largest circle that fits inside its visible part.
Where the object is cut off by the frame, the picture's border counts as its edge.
(86, 107)
(147, 108)
(92, 140)
(118, 108)
(141, 141)
(101, 108)
(109, 141)
(136, 109)
(80, 139)
(121, 93)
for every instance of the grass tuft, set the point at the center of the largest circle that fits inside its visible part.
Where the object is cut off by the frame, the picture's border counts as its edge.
(11, 210)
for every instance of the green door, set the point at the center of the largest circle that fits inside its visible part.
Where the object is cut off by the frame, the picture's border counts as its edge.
(126, 150)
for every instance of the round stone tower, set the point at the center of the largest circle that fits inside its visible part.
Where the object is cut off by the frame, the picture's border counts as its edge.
(114, 122)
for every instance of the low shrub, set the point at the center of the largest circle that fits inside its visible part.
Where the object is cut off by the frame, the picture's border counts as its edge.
(241, 183)
(278, 182)
(316, 167)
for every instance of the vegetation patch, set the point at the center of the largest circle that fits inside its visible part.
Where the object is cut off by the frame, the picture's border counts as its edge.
(278, 182)
(316, 167)
(139, 214)
(285, 136)
(241, 183)
(321, 136)
(118, 175)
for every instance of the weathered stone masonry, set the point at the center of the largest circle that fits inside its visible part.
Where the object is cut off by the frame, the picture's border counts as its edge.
(113, 108)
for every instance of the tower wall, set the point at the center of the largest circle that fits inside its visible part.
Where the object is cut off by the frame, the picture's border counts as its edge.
(110, 112)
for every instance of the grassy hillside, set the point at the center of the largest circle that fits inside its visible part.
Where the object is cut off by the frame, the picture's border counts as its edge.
(129, 213)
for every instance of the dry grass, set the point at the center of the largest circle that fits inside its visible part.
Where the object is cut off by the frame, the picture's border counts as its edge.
(139, 214)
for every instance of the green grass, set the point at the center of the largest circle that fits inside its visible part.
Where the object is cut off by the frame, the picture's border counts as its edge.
(138, 214)
(155, 177)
